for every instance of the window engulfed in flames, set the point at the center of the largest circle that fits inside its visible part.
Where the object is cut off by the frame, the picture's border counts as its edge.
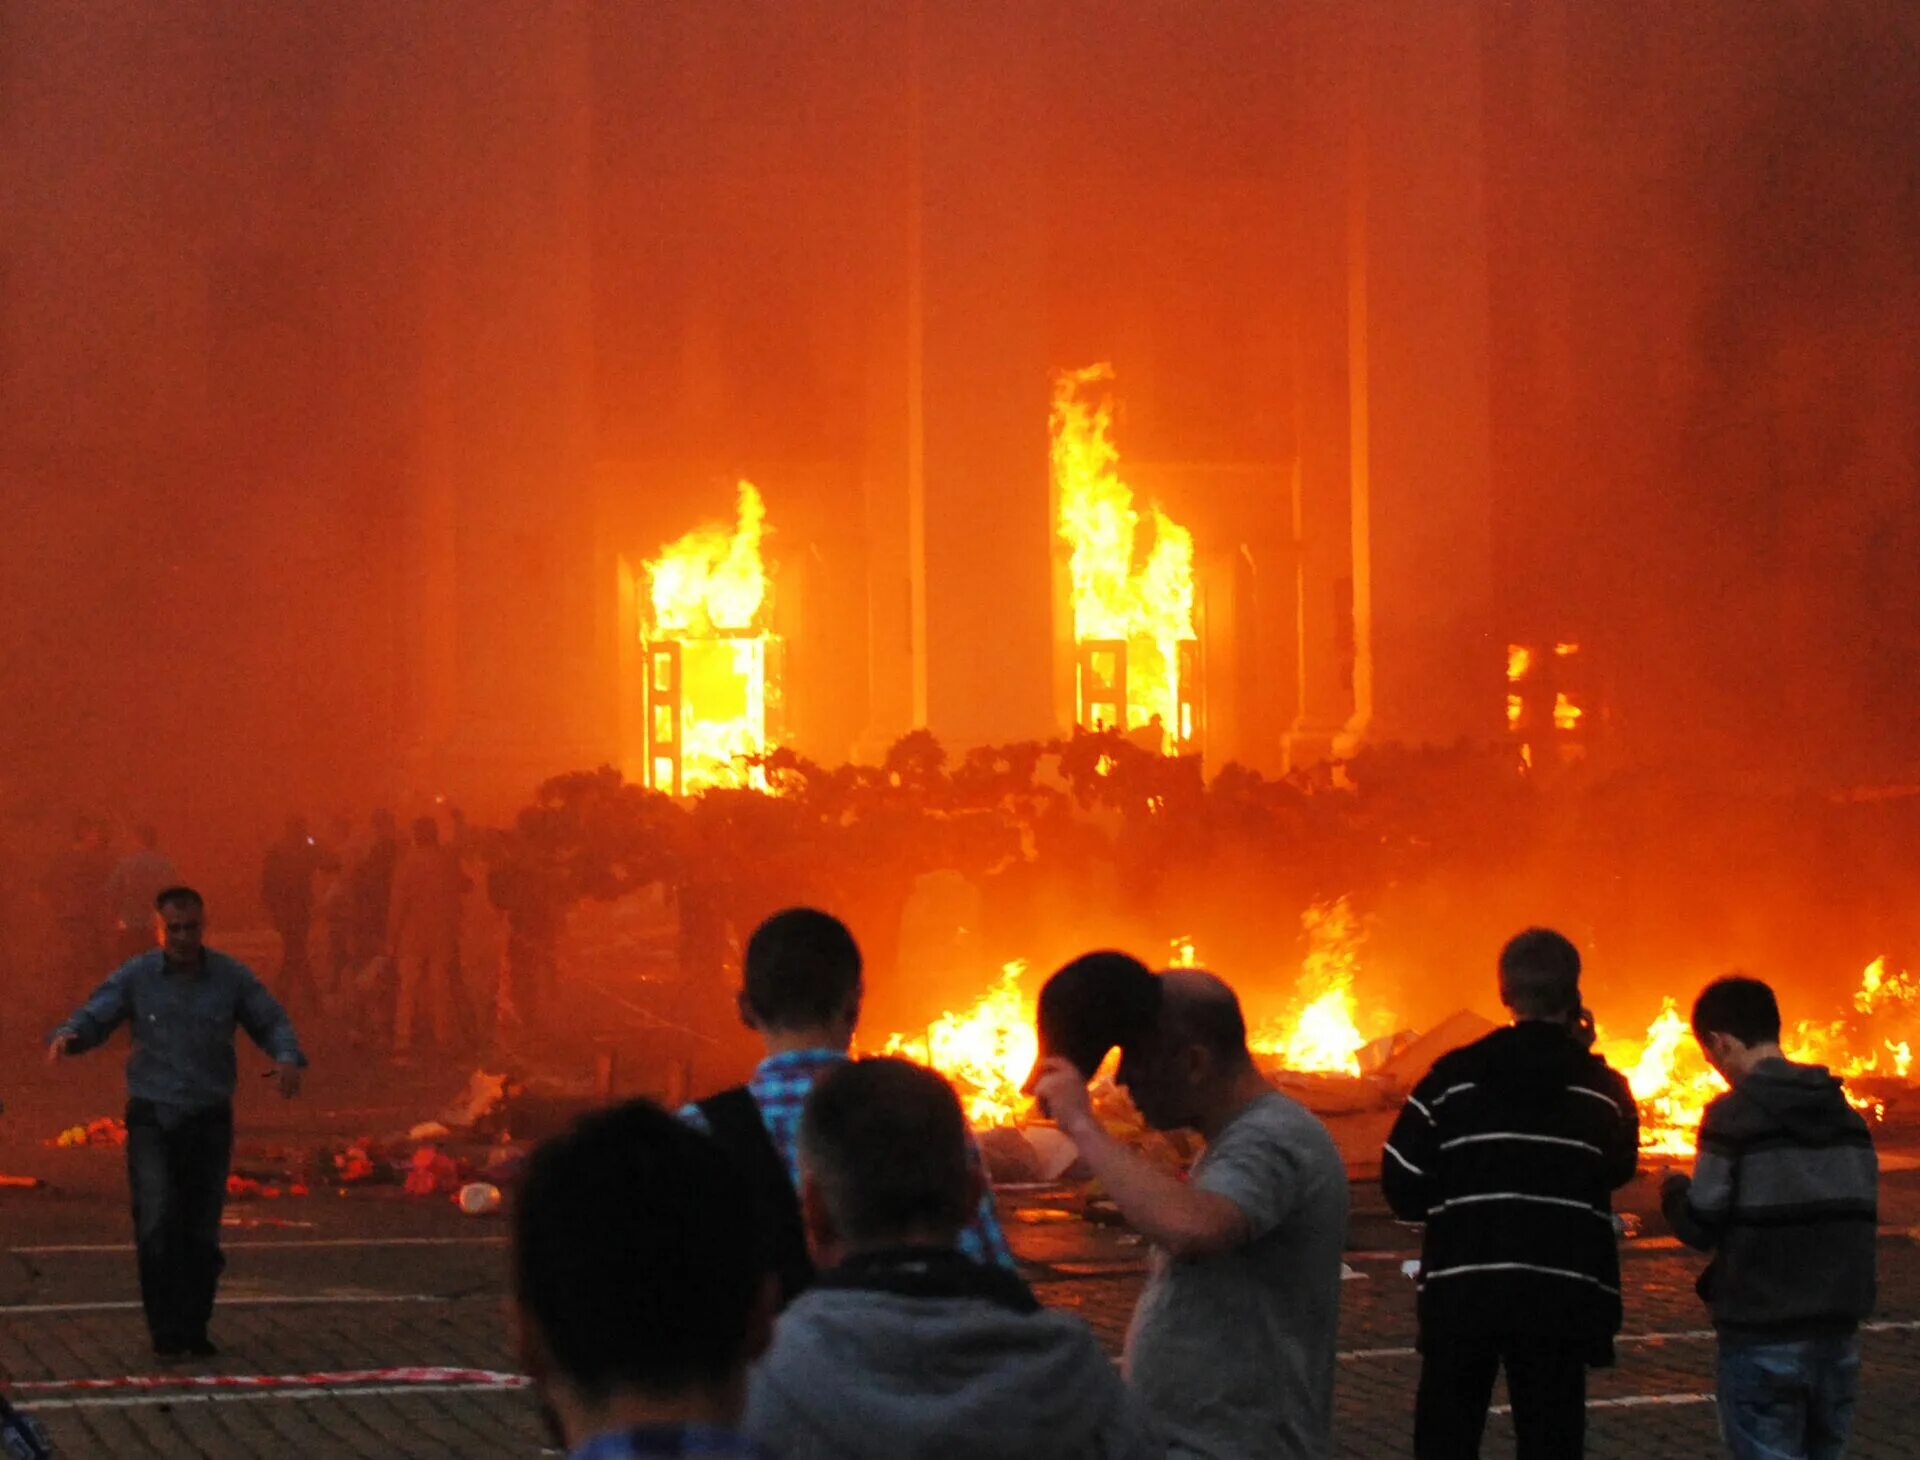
(1132, 581)
(712, 664)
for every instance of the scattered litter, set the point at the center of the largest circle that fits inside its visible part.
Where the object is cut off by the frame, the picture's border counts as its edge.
(432, 1171)
(103, 1130)
(1410, 1268)
(1351, 1274)
(479, 1198)
(1042, 1216)
(482, 1106)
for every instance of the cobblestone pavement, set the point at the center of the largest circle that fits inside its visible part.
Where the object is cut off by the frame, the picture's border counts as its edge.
(362, 1286)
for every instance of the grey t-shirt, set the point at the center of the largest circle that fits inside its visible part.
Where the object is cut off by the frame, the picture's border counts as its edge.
(1233, 1353)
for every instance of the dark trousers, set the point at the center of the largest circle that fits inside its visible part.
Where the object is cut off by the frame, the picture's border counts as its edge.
(1546, 1380)
(178, 1176)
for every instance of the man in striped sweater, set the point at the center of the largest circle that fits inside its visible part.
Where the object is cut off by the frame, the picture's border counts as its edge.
(1509, 1151)
(1784, 1195)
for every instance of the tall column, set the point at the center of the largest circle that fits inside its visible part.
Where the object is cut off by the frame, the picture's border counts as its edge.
(984, 384)
(510, 683)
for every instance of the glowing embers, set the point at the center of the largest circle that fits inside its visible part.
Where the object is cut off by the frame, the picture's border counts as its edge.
(712, 664)
(1137, 658)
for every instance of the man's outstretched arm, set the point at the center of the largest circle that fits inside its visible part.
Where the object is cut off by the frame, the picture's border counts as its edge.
(105, 1010)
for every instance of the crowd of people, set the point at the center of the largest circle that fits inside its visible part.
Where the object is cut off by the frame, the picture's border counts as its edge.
(810, 1265)
(806, 1266)
(369, 923)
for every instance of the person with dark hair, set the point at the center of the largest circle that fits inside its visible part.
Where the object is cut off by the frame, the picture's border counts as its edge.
(182, 1001)
(641, 1287)
(801, 994)
(423, 936)
(1509, 1151)
(286, 890)
(903, 1345)
(131, 888)
(1784, 1194)
(1231, 1348)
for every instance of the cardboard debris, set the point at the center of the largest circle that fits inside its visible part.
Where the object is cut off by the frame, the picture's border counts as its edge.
(1406, 1068)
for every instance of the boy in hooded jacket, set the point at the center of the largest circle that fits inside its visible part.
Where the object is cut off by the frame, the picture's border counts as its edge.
(904, 1347)
(1784, 1194)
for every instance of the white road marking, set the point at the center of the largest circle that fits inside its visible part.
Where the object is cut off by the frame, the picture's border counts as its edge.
(251, 1300)
(290, 1244)
(256, 1396)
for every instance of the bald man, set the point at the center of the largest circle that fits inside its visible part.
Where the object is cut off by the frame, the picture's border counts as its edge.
(1232, 1344)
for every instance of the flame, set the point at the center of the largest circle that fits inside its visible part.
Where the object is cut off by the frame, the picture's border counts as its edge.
(1322, 1035)
(1515, 708)
(709, 579)
(1566, 714)
(1145, 604)
(709, 593)
(1566, 651)
(986, 1050)
(1673, 1082)
(1519, 661)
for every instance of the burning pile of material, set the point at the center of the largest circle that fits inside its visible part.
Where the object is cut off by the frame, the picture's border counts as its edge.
(1673, 1083)
(986, 1050)
(1319, 1033)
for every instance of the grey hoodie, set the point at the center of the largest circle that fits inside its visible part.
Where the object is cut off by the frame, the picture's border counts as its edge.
(860, 1371)
(1785, 1196)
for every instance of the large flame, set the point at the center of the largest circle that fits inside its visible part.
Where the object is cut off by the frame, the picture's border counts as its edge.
(1321, 1033)
(709, 593)
(986, 1049)
(1673, 1083)
(1145, 601)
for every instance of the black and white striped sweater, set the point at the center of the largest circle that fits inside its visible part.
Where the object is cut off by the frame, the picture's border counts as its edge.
(1509, 1151)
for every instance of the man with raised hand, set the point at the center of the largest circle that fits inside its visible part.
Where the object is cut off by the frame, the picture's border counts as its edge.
(1232, 1343)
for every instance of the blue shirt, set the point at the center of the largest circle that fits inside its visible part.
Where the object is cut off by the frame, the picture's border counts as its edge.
(663, 1442)
(183, 1021)
(780, 1086)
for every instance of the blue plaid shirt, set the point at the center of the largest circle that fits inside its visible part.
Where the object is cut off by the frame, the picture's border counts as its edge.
(780, 1087)
(665, 1442)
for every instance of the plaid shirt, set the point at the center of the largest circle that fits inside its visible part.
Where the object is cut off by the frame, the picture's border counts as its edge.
(780, 1087)
(666, 1442)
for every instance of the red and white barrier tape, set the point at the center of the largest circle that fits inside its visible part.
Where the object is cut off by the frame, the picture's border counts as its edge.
(332, 1379)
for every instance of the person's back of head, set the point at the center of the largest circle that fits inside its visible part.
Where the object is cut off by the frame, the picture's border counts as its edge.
(1540, 976)
(638, 1273)
(801, 972)
(883, 1158)
(1736, 1020)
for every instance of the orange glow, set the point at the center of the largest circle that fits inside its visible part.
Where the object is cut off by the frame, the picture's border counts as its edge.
(1125, 590)
(1566, 651)
(1566, 714)
(986, 1050)
(1519, 661)
(1319, 1033)
(1673, 1083)
(1515, 708)
(708, 644)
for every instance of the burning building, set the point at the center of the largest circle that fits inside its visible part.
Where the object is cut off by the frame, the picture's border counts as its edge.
(709, 663)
